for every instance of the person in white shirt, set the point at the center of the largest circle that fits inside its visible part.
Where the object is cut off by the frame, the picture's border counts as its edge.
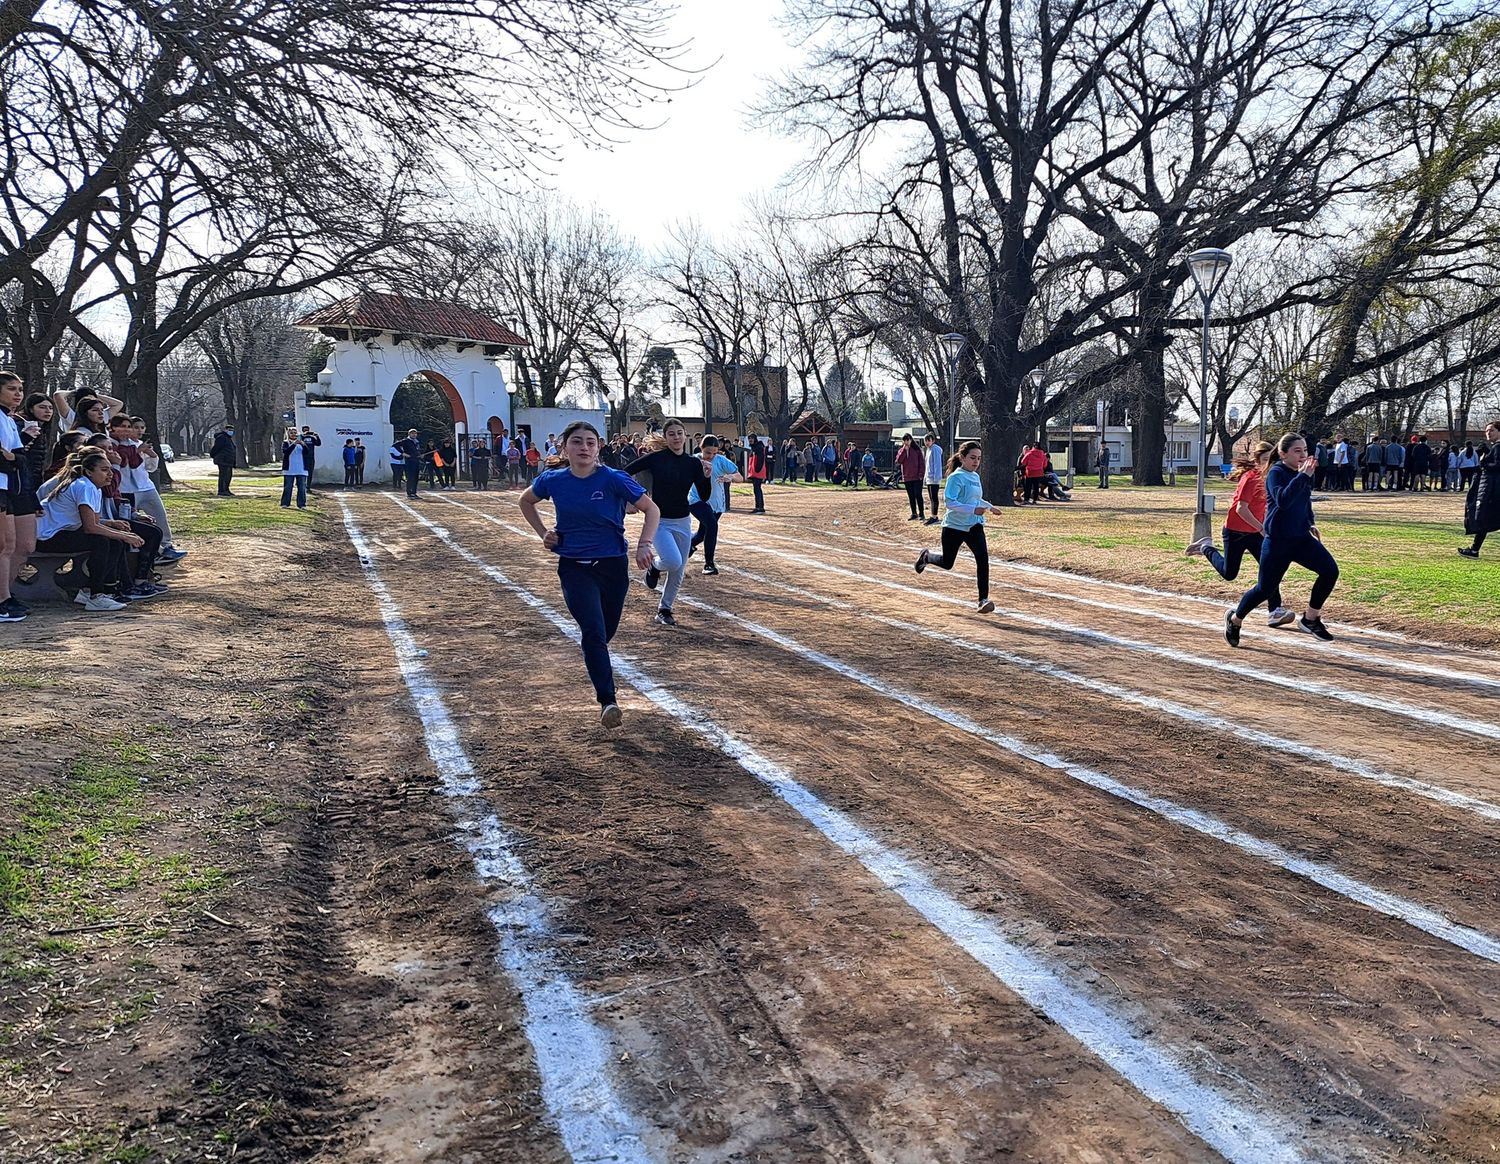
(147, 499)
(70, 523)
(1344, 479)
(67, 418)
(11, 451)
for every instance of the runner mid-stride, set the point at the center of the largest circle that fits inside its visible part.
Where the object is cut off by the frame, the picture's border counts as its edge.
(674, 473)
(963, 522)
(588, 536)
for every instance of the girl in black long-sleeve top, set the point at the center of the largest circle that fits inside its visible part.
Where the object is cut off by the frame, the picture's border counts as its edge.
(674, 472)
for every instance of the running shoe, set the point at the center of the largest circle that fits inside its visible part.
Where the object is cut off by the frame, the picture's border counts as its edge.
(653, 576)
(710, 570)
(1231, 632)
(986, 607)
(1198, 548)
(1280, 617)
(1468, 551)
(16, 606)
(1314, 626)
(98, 602)
(143, 590)
(921, 562)
(664, 616)
(611, 716)
(12, 613)
(915, 517)
(931, 521)
(171, 554)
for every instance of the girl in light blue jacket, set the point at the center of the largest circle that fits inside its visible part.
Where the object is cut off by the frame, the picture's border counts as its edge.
(963, 521)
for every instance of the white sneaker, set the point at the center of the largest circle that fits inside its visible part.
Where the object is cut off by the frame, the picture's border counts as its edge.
(97, 602)
(1280, 617)
(1201, 546)
(611, 716)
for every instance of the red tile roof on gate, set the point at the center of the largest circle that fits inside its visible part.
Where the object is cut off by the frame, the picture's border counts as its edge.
(429, 318)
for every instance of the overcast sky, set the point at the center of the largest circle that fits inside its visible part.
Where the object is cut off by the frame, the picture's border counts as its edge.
(703, 160)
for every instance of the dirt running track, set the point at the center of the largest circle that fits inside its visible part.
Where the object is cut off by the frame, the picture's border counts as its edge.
(1312, 938)
(867, 876)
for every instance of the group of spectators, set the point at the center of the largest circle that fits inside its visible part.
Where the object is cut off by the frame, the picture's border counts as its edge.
(1389, 465)
(76, 482)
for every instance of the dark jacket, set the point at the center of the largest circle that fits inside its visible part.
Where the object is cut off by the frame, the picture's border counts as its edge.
(1289, 512)
(411, 451)
(223, 451)
(1482, 507)
(310, 441)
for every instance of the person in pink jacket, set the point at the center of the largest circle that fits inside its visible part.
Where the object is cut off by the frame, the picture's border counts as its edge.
(913, 464)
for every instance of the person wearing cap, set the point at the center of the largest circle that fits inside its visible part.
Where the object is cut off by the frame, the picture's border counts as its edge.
(225, 455)
(411, 455)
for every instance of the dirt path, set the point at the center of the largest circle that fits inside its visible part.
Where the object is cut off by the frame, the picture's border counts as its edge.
(865, 876)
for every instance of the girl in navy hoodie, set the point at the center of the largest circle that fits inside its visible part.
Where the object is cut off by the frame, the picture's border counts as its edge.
(1290, 536)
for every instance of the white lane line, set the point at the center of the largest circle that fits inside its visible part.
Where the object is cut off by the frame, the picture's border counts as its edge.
(1421, 917)
(1239, 1132)
(1344, 765)
(1366, 702)
(572, 1053)
(1385, 663)
(1089, 579)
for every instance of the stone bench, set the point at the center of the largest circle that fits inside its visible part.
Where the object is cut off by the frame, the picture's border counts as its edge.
(45, 586)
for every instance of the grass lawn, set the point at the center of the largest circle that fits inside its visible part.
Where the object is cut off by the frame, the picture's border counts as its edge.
(1396, 552)
(194, 507)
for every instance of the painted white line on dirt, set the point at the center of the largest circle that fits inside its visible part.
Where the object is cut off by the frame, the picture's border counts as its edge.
(572, 1053)
(1299, 684)
(1345, 765)
(1448, 674)
(1236, 1131)
(1089, 579)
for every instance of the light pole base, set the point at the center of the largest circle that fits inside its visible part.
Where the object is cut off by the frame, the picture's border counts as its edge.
(1203, 526)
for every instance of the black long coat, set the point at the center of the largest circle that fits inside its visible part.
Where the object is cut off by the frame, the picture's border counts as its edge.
(1482, 509)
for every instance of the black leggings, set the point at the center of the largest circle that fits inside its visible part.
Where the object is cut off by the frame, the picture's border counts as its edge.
(708, 530)
(1033, 488)
(932, 499)
(1237, 544)
(1276, 557)
(973, 537)
(914, 497)
(1478, 541)
(106, 561)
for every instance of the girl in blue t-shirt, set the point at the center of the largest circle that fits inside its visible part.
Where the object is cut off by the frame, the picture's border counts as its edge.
(590, 502)
(963, 521)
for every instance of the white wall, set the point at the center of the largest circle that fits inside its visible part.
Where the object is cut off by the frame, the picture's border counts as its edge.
(554, 420)
(376, 368)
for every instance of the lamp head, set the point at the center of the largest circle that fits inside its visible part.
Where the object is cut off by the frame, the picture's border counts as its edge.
(1209, 265)
(953, 344)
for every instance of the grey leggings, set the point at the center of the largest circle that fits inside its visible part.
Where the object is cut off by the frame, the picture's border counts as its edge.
(148, 501)
(674, 538)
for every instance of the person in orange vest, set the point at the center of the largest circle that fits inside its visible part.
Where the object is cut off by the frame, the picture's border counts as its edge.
(756, 472)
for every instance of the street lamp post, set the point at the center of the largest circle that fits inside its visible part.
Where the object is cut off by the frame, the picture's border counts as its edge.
(1209, 266)
(953, 345)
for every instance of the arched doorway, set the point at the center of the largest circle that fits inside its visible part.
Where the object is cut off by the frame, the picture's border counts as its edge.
(427, 402)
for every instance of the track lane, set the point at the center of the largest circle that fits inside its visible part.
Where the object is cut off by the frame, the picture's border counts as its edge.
(1420, 952)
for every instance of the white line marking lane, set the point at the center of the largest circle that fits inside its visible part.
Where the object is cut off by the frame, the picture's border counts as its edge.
(572, 1053)
(1345, 765)
(1237, 1130)
(1430, 921)
(1297, 683)
(1384, 663)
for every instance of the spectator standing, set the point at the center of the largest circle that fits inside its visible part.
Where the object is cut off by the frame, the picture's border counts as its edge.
(479, 463)
(1395, 460)
(852, 459)
(757, 471)
(830, 458)
(1103, 461)
(350, 460)
(397, 455)
(513, 461)
(310, 441)
(790, 458)
(294, 453)
(147, 499)
(411, 457)
(811, 459)
(449, 452)
(932, 476)
(226, 455)
(1482, 507)
(1418, 458)
(533, 462)
(359, 461)
(12, 486)
(913, 466)
(1468, 461)
(1341, 464)
(1034, 472)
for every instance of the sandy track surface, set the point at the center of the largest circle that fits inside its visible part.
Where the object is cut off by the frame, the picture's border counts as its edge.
(1327, 964)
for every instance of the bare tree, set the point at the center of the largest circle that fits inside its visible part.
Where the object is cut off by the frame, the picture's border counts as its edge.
(258, 359)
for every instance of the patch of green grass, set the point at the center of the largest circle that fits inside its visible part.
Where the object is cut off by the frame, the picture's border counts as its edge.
(199, 512)
(134, 1009)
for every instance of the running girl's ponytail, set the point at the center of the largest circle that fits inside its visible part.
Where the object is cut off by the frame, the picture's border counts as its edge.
(1286, 442)
(956, 460)
(1245, 462)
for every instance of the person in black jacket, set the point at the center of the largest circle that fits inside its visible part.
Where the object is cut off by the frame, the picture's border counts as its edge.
(411, 457)
(310, 441)
(1290, 536)
(226, 456)
(1482, 508)
(674, 473)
